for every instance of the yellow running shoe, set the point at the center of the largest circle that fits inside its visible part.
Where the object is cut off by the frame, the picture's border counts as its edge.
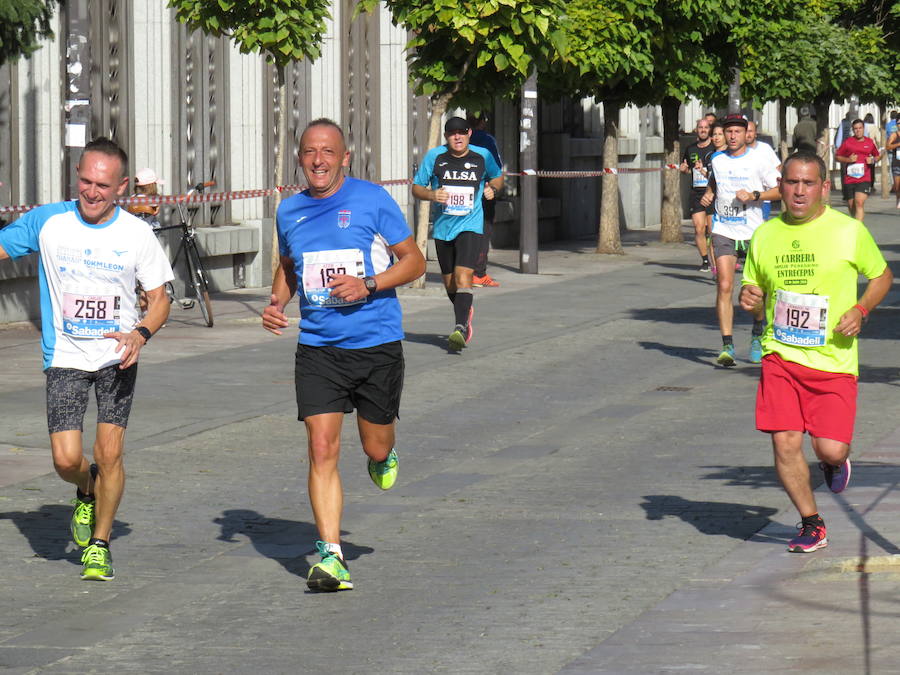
(384, 474)
(97, 564)
(82, 521)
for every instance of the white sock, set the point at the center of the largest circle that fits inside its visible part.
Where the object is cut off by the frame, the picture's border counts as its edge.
(336, 549)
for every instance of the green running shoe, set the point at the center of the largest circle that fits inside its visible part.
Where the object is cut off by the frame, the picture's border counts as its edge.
(726, 357)
(82, 522)
(384, 474)
(329, 575)
(97, 564)
(457, 340)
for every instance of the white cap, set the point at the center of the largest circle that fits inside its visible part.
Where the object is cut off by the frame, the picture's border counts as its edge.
(146, 177)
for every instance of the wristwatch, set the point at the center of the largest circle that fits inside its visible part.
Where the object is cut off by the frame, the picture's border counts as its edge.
(756, 195)
(143, 332)
(371, 284)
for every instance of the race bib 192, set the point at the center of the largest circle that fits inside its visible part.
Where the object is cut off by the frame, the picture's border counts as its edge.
(800, 319)
(320, 266)
(90, 316)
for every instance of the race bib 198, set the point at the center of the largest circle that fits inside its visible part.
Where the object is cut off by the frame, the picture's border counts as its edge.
(800, 320)
(320, 266)
(460, 200)
(90, 316)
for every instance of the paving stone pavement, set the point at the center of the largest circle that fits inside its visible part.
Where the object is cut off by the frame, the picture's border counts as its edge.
(581, 491)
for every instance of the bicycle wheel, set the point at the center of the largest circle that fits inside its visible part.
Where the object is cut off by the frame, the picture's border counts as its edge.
(197, 277)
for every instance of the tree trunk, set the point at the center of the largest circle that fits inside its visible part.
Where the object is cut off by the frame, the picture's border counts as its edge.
(670, 213)
(886, 178)
(823, 143)
(438, 107)
(609, 240)
(280, 151)
(782, 131)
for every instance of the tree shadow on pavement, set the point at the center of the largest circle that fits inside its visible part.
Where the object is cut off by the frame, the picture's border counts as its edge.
(740, 521)
(745, 476)
(675, 266)
(48, 531)
(700, 316)
(705, 357)
(882, 325)
(708, 281)
(288, 542)
(879, 375)
(427, 339)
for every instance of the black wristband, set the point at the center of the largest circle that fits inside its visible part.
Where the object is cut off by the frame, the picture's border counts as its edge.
(144, 332)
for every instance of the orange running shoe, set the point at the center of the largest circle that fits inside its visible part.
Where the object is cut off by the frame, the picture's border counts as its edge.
(486, 280)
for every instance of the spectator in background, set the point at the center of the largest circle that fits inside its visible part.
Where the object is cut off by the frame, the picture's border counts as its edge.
(146, 183)
(871, 127)
(891, 126)
(483, 139)
(893, 149)
(805, 133)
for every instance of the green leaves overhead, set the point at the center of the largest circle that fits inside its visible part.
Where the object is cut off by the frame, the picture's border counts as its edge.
(822, 49)
(282, 30)
(477, 49)
(642, 51)
(22, 24)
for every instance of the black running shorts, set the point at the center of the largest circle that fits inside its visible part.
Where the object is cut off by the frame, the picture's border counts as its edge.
(460, 252)
(849, 190)
(67, 396)
(696, 206)
(331, 379)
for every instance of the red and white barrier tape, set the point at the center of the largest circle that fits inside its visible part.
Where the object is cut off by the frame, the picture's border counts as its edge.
(232, 195)
(591, 174)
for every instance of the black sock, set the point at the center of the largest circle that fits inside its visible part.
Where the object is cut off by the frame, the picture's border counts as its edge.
(98, 542)
(705, 258)
(461, 306)
(727, 340)
(452, 296)
(814, 518)
(757, 328)
(83, 497)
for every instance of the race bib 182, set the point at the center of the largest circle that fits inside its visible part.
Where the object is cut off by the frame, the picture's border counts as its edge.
(320, 266)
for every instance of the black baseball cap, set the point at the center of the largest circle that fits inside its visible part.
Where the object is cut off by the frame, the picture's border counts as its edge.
(736, 120)
(456, 124)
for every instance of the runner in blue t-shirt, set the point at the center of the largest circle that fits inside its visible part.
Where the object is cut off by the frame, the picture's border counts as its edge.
(456, 175)
(338, 241)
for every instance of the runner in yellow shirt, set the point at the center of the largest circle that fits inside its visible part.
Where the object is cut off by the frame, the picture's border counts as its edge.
(803, 267)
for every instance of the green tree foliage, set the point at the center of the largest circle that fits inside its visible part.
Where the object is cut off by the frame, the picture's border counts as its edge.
(470, 51)
(281, 30)
(822, 50)
(477, 49)
(22, 24)
(644, 52)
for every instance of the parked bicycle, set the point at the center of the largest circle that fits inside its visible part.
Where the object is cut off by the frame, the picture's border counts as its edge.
(196, 277)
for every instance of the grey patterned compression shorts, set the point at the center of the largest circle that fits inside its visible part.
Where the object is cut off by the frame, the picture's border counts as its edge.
(67, 396)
